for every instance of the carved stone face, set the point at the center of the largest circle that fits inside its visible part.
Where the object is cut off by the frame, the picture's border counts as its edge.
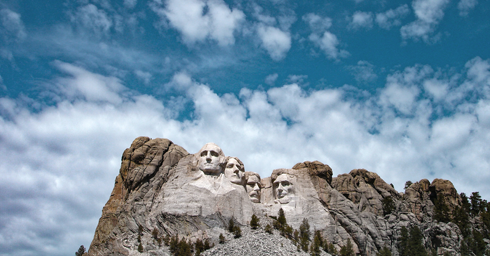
(283, 186)
(209, 159)
(234, 171)
(253, 188)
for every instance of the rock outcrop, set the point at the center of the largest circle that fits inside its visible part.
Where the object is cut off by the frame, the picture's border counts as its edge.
(163, 189)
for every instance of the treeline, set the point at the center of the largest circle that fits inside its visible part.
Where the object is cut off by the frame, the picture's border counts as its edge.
(302, 238)
(474, 208)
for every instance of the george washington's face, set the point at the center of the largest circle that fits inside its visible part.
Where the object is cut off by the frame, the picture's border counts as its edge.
(234, 171)
(253, 188)
(209, 159)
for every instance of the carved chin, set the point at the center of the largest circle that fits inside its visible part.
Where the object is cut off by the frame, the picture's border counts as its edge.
(254, 198)
(283, 200)
(235, 180)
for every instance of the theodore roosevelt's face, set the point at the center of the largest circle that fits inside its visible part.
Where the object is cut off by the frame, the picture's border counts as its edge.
(234, 171)
(283, 186)
(209, 159)
(253, 188)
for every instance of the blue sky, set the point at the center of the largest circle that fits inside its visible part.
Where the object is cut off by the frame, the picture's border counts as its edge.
(401, 88)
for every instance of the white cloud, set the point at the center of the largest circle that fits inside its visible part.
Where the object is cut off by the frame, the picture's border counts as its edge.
(89, 86)
(436, 88)
(297, 79)
(275, 41)
(130, 4)
(92, 18)
(271, 79)
(363, 72)
(361, 20)
(328, 43)
(317, 23)
(322, 38)
(392, 17)
(145, 76)
(190, 18)
(429, 13)
(51, 155)
(13, 29)
(465, 6)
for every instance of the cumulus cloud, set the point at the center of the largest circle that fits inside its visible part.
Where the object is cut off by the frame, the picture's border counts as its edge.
(322, 38)
(465, 6)
(271, 79)
(198, 20)
(13, 29)
(429, 13)
(52, 155)
(275, 41)
(392, 17)
(361, 20)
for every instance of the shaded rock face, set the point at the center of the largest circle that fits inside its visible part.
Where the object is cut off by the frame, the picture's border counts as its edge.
(162, 188)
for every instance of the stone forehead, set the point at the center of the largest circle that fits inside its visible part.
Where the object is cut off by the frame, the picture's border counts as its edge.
(251, 174)
(253, 178)
(282, 177)
(212, 146)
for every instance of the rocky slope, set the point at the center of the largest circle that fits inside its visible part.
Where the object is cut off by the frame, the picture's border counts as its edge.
(162, 188)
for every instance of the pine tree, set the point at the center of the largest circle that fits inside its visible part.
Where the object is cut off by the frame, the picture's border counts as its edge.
(268, 229)
(388, 205)
(221, 238)
(231, 225)
(317, 243)
(384, 252)
(140, 248)
(441, 210)
(237, 232)
(475, 200)
(415, 246)
(254, 222)
(154, 233)
(347, 250)
(462, 220)
(207, 246)
(81, 251)
(304, 234)
(174, 242)
(199, 246)
(477, 246)
(403, 242)
(281, 218)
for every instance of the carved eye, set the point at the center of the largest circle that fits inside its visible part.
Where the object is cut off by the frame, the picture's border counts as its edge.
(229, 166)
(204, 153)
(285, 183)
(214, 153)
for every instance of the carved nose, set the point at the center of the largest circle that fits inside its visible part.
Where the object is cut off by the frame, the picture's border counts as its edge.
(280, 187)
(256, 187)
(236, 171)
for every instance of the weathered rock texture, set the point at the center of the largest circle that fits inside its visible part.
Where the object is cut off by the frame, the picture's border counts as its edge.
(161, 187)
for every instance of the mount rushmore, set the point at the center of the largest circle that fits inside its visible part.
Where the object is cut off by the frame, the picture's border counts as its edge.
(162, 187)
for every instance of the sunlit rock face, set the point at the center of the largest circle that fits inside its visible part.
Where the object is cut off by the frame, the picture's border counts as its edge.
(162, 187)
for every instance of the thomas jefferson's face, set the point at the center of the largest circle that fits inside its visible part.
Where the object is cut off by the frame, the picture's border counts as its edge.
(234, 171)
(209, 159)
(283, 186)
(253, 188)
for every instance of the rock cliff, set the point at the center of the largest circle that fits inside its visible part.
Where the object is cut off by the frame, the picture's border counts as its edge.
(162, 189)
